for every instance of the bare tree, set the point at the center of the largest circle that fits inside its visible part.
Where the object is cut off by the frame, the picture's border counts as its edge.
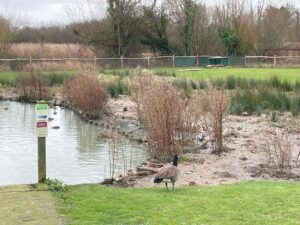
(183, 14)
(5, 35)
(124, 19)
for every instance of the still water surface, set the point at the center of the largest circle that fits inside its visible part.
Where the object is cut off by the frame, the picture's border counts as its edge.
(74, 152)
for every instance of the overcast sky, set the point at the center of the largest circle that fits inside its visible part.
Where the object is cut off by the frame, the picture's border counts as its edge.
(39, 12)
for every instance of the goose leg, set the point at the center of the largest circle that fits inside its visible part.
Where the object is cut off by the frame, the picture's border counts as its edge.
(172, 186)
(167, 185)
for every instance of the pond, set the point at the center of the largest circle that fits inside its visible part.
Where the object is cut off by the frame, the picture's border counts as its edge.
(74, 152)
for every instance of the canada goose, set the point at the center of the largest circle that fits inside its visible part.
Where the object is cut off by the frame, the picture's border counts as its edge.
(169, 171)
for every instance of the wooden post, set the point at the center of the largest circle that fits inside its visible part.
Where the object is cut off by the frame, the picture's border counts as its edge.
(95, 62)
(173, 60)
(41, 132)
(275, 61)
(245, 63)
(64, 62)
(122, 63)
(30, 61)
(41, 159)
(148, 61)
(44, 62)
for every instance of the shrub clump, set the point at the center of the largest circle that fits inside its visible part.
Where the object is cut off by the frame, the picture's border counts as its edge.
(33, 85)
(116, 87)
(256, 100)
(280, 150)
(86, 92)
(160, 105)
(172, 118)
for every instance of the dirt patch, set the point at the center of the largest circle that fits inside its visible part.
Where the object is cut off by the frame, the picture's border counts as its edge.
(27, 205)
(242, 162)
(265, 171)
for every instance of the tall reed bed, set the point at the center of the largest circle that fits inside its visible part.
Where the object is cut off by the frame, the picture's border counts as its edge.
(49, 50)
(86, 92)
(160, 106)
(172, 118)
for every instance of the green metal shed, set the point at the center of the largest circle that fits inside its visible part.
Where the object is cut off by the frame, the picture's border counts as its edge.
(185, 61)
(218, 60)
(203, 60)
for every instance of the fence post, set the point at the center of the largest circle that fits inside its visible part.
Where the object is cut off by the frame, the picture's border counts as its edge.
(95, 62)
(245, 61)
(122, 63)
(44, 62)
(64, 62)
(148, 61)
(173, 60)
(275, 61)
(30, 61)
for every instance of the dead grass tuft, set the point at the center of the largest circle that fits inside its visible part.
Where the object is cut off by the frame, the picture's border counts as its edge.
(279, 149)
(86, 92)
(33, 85)
(159, 105)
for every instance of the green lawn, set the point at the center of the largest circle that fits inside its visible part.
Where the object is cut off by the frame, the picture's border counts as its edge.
(8, 77)
(243, 203)
(290, 74)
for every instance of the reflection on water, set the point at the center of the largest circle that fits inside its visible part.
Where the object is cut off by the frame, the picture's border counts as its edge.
(74, 153)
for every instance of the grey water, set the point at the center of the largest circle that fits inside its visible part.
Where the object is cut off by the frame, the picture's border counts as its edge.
(74, 153)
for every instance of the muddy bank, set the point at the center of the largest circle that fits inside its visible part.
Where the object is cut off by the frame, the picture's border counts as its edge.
(244, 159)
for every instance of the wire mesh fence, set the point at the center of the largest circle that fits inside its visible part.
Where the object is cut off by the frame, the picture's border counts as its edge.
(61, 64)
(272, 61)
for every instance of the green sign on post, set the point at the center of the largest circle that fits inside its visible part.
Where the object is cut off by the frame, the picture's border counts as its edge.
(41, 132)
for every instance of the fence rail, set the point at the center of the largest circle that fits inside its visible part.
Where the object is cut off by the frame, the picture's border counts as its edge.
(146, 62)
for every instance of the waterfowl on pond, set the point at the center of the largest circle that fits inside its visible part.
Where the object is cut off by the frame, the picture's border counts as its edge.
(168, 174)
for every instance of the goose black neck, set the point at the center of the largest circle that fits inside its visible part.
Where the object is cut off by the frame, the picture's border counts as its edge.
(175, 160)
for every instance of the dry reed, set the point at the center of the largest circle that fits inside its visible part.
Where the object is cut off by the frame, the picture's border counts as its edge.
(35, 50)
(86, 92)
(214, 109)
(33, 85)
(279, 149)
(160, 105)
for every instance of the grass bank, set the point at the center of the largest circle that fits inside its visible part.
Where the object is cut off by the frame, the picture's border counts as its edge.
(53, 77)
(288, 74)
(243, 203)
(24, 204)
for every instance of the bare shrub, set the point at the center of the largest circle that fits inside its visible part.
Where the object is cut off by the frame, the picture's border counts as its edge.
(172, 118)
(33, 85)
(141, 81)
(214, 108)
(116, 151)
(278, 147)
(160, 105)
(86, 92)
(191, 121)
